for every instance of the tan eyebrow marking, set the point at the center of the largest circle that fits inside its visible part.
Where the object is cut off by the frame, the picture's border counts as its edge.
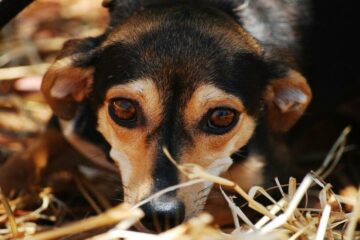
(206, 97)
(143, 91)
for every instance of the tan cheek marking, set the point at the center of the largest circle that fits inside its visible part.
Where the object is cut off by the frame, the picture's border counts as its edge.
(193, 197)
(212, 152)
(130, 149)
(132, 156)
(208, 148)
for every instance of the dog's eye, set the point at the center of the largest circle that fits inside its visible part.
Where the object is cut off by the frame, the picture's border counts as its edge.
(221, 120)
(123, 111)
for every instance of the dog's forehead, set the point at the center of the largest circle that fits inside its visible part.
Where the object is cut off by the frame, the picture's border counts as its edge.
(179, 48)
(177, 18)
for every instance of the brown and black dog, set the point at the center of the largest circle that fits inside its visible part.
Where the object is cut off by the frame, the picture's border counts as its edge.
(205, 79)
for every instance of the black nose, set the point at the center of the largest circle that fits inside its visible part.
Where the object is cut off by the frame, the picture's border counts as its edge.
(161, 215)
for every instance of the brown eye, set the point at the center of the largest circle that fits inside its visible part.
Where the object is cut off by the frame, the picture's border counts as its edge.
(123, 111)
(221, 120)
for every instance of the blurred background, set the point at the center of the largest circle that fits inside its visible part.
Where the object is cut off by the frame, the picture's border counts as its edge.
(28, 44)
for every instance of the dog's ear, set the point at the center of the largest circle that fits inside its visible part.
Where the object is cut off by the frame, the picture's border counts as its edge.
(68, 80)
(286, 99)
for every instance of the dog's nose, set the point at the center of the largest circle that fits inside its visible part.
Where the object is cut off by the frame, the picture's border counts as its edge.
(163, 214)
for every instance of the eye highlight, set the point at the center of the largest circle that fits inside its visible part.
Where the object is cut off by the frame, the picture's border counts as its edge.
(220, 120)
(124, 112)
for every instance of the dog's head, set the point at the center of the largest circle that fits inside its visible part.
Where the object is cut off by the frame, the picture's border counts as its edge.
(185, 77)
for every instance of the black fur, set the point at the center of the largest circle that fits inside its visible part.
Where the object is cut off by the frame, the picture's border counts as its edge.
(185, 57)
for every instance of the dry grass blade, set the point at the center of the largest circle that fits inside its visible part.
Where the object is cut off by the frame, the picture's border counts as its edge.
(194, 171)
(23, 71)
(109, 217)
(238, 212)
(303, 230)
(87, 195)
(334, 155)
(124, 234)
(355, 217)
(195, 228)
(46, 197)
(105, 204)
(9, 213)
(274, 210)
(281, 220)
(166, 190)
(323, 223)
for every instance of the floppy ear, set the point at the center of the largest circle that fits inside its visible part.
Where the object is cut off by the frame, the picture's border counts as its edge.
(68, 80)
(286, 99)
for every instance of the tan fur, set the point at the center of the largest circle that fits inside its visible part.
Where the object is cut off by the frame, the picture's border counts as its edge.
(282, 114)
(64, 86)
(135, 155)
(146, 93)
(229, 31)
(135, 26)
(211, 151)
(132, 150)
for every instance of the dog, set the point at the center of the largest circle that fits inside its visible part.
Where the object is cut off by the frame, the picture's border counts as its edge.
(208, 80)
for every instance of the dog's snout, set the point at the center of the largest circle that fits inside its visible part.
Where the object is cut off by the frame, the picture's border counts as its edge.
(162, 215)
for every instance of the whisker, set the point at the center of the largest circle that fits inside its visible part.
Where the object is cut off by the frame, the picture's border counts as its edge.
(239, 154)
(177, 218)
(215, 196)
(201, 198)
(169, 189)
(200, 203)
(167, 222)
(204, 189)
(156, 222)
(218, 166)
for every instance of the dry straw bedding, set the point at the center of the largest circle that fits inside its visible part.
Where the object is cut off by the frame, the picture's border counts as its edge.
(289, 217)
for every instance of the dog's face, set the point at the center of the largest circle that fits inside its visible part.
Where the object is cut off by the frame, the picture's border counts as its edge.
(188, 79)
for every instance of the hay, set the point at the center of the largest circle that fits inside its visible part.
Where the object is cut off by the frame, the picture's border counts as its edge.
(289, 217)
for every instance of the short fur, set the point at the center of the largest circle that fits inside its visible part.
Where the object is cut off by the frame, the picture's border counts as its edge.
(178, 59)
